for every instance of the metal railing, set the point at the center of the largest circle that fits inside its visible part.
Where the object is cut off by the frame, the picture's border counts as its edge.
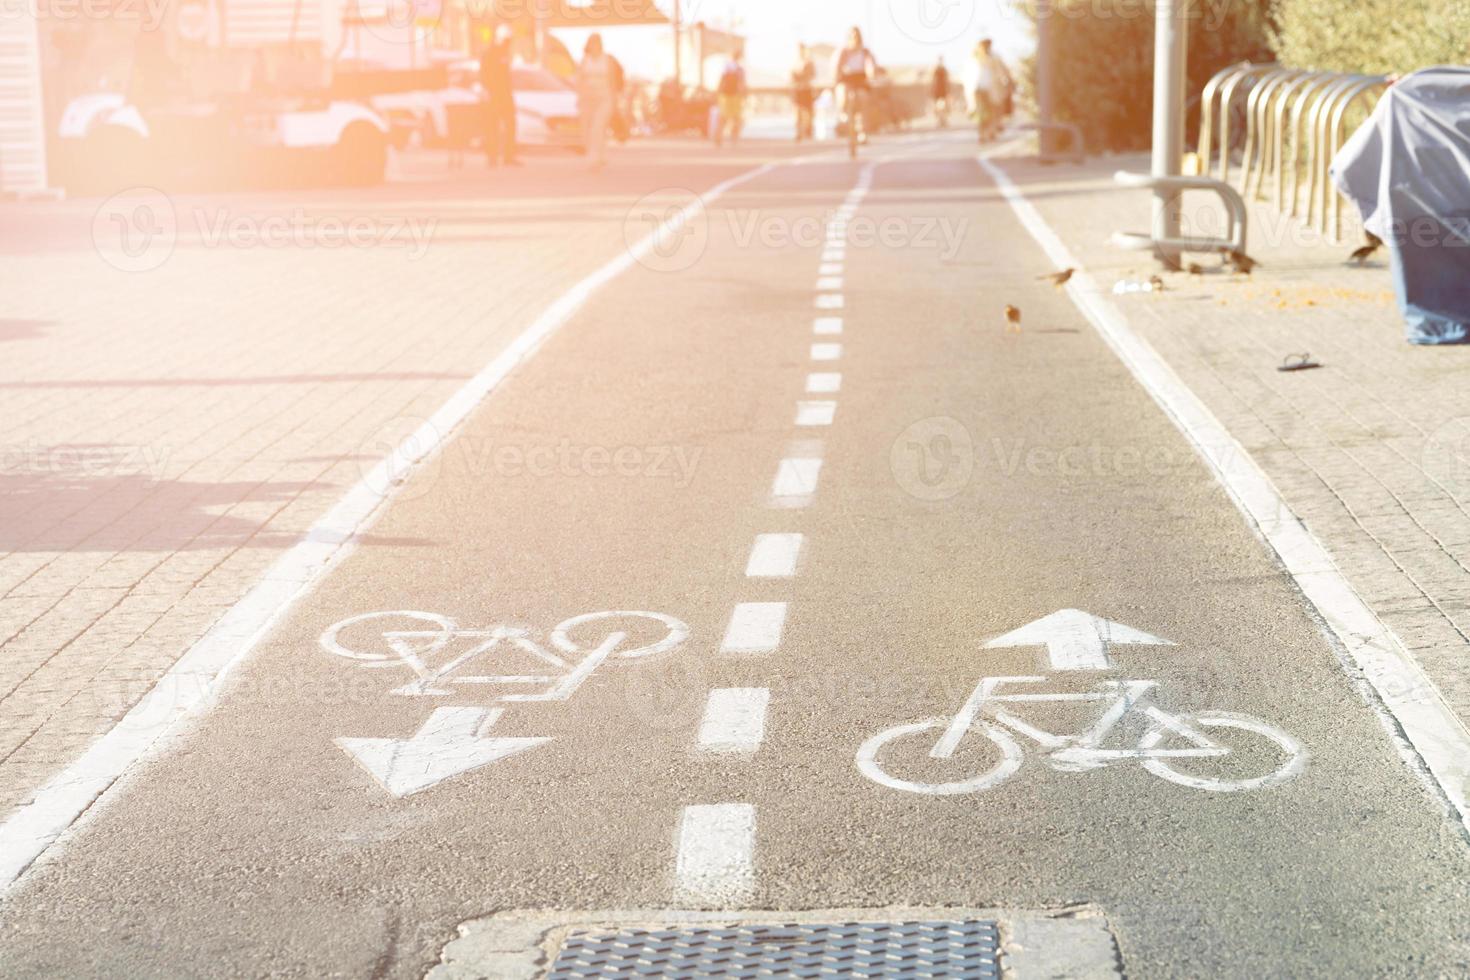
(1236, 216)
(1292, 122)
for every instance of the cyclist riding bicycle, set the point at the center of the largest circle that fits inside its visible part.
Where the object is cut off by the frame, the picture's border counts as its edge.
(853, 67)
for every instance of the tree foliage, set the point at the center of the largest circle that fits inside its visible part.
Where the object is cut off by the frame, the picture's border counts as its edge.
(1376, 37)
(1105, 56)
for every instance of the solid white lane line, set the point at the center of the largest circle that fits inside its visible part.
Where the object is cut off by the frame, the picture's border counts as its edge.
(827, 325)
(755, 627)
(774, 556)
(1402, 689)
(734, 719)
(716, 855)
(815, 413)
(186, 687)
(826, 352)
(823, 383)
(829, 282)
(829, 269)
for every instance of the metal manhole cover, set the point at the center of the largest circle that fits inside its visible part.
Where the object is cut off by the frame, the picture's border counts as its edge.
(843, 949)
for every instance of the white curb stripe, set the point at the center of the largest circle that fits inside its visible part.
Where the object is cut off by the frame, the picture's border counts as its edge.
(1402, 688)
(734, 719)
(716, 862)
(189, 685)
(755, 627)
(774, 556)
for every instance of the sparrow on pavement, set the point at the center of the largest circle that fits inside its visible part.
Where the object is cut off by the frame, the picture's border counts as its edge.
(1013, 319)
(1058, 279)
(1363, 254)
(1241, 262)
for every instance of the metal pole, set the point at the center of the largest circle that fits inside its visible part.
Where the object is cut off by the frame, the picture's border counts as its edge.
(1045, 81)
(1170, 51)
(679, 45)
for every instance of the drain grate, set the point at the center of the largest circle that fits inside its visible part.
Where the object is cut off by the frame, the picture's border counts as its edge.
(844, 949)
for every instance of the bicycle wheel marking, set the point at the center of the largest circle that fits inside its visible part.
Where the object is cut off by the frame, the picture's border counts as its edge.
(1205, 737)
(444, 660)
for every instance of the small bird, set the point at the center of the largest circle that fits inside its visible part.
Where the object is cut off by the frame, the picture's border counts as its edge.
(1373, 239)
(1195, 269)
(1241, 262)
(1364, 253)
(1058, 279)
(1013, 319)
(1156, 283)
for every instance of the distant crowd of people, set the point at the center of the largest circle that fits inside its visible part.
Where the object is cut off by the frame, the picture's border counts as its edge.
(599, 81)
(861, 87)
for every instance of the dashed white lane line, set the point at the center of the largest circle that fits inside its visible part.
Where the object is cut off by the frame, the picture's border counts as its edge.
(755, 627)
(716, 863)
(1438, 745)
(829, 301)
(734, 719)
(814, 413)
(830, 283)
(823, 383)
(827, 325)
(834, 253)
(829, 269)
(826, 352)
(795, 482)
(185, 690)
(774, 556)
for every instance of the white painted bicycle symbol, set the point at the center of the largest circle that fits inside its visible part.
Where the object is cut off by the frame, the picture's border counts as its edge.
(442, 656)
(1180, 748)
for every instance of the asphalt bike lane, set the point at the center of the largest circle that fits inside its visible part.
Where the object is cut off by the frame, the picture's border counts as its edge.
(1065, 670)
(504, 698)
(789, 575)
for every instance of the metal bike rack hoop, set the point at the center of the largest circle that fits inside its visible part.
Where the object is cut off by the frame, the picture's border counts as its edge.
(1235, 211)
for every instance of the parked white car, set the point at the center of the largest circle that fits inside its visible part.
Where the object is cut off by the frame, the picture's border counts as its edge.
(105, 141)
(546, 106)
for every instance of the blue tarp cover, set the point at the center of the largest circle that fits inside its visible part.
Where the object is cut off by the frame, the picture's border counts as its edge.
(1408, 170)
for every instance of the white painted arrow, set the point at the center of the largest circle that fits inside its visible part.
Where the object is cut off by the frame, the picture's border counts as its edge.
(1075, 640)
(450, 743)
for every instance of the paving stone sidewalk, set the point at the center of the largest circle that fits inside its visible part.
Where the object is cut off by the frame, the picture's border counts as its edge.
(186, 384)
(1372, 450)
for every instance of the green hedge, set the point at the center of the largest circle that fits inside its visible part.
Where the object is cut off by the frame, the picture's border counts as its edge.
(1372, 36)
(1105, 55)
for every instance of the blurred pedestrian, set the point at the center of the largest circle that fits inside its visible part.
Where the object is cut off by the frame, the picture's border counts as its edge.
(988, 85)
(803, 92)
(731, 91)
(499, 99)
(618, 124)
(595, 97)
(854, 68)
(939, 93)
